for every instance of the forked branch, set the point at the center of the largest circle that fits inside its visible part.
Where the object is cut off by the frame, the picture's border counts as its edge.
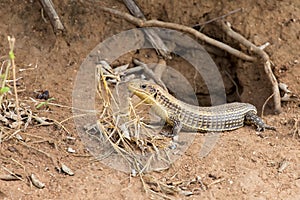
(265, 58)
(179, 27)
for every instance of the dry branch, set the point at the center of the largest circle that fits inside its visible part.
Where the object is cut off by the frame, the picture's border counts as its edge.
(52, 14)
(265, 58)
(151, 74)
(220, 17)
(153, 38)
(179, 27)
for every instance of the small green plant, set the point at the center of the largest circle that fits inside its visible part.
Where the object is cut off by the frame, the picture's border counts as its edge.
(3, 78)
(45, 103)
(4, 90)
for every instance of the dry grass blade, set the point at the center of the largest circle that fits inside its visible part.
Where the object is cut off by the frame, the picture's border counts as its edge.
(12, 60)
(11, 176)
(40, 151)
(296, 127)
(14, 116)
(122, 128)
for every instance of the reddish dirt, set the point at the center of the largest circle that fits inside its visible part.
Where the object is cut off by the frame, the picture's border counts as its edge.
(241, 166)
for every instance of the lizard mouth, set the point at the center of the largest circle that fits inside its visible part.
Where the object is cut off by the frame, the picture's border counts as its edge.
(140, 89)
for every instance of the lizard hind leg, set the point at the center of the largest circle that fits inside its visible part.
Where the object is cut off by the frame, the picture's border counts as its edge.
(252, 118)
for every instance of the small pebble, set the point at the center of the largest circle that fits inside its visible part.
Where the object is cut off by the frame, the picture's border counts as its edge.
(70, 150)
(67, 170)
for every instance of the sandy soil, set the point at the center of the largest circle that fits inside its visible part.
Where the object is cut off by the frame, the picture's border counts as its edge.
(241, 166)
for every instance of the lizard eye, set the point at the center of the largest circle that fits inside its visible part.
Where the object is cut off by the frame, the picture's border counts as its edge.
(143, 86)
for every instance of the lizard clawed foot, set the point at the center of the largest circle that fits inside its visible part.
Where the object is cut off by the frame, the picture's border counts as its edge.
(252, 118)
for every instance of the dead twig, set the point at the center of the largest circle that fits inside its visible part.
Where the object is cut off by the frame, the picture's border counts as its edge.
(160, 68)
(220, 17)
(52, 14)
(264, 56)
(38, 150)
(265, 103)
(215, 182)
(179, 27)
(11, 41)
(150, 73)
(234, 83)
(296, 128)
(11, 176)
(153, 38)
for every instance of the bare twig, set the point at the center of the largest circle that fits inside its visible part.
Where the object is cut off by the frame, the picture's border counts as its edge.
(52, 14)
(215, 182)
(13, 176)
(150, 73)
(234, 83)
(153, 38)
(296, 127)
(11, 41)
(220, 17)
(38, 150)
(179, 27)
(160, 68)
(265, 58)
(265, 103)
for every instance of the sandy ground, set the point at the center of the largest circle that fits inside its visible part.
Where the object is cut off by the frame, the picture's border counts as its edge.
(241, 166)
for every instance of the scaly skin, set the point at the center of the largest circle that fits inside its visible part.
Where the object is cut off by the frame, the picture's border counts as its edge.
(194, 118)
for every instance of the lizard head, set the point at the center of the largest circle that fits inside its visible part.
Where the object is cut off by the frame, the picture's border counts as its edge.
(145, 90)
